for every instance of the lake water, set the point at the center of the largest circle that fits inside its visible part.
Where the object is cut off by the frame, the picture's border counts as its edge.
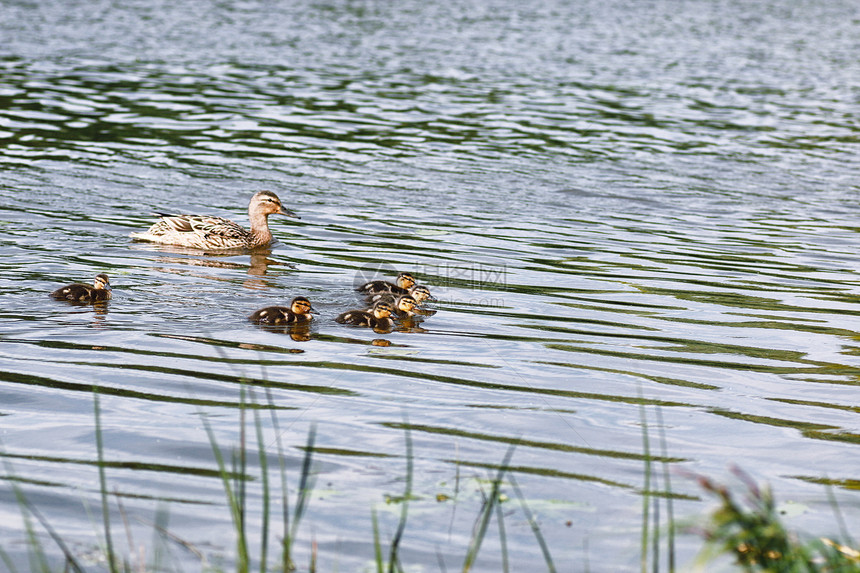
(622, 208)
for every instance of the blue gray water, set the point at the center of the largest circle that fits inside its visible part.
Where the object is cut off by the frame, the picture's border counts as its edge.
(624, 208)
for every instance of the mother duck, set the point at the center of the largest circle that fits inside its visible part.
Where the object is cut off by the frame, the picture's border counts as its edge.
(207, 232)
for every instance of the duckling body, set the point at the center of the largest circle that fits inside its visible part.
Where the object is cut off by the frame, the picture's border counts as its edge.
(419, 293)
(100, 290)
(377, 318)
(206, 232)
(400, 286)
(300, 311)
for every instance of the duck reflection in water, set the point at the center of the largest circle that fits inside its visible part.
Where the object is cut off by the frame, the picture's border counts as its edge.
(260, 262)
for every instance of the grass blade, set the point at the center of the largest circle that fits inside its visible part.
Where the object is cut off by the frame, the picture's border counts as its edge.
(534, 526)
(7, 561)
(503, 541)
(670, 512)
(111, 556)
(646, 489)
(303, 495)
(377, 547)
(404, 510)
(486, 513)
(232, 502)
(70, 559)
(285, 503)
(264, 472)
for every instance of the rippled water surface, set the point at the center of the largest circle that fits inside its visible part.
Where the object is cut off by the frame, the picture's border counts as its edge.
(622, 209)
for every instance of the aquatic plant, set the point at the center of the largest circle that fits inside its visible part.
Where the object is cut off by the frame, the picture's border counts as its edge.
(752, 531)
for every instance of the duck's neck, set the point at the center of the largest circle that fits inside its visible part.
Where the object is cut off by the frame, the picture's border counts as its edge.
(260, 233)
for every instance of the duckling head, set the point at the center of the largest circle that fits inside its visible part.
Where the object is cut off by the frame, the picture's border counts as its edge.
(405, 280)
(382, 310)
(302, 306)
(267, 203)
(101, 282)
(406, 303)
(421, 293)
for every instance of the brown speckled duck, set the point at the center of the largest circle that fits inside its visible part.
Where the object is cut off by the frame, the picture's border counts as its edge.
(211, 233)
(401, 285)
(377, 318)
(77, 292)
(300, 311)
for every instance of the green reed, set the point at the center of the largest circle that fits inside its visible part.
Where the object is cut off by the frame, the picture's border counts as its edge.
(650, 529)
(751, 531)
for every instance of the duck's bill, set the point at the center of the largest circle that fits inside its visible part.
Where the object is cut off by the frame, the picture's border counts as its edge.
(288, 213)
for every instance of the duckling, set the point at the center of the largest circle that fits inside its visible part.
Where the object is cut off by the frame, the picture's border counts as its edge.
(403, 304)
(206, 232)
(300, 311)
(378, 317)
(419, 292)
(77, 292)
(402, 283)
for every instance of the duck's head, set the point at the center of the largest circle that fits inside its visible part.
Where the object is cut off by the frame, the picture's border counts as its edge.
(421, 293)
(302, 306)
(405, 303)
(101, 282)
(267, 203)
(382, 310)
(405, 280)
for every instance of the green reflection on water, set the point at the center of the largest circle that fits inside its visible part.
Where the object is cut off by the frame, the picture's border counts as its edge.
(531, 443)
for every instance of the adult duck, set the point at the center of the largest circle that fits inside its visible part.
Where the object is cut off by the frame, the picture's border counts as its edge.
(215, 233)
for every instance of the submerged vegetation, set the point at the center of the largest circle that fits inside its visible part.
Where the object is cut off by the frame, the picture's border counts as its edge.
(750, 530)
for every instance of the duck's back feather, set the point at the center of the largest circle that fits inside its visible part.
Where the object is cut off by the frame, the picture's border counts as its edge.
(275, 315)
(198, 231)
(374, 287)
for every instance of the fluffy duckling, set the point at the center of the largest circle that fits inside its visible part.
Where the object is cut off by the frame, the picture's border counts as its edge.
(77, 292)
(402, 304)
(401, 285)
(418, 292)
(421, 293)
(300, 311)
(378, 317)
(206, 232)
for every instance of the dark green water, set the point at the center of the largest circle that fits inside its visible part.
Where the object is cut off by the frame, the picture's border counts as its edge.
(616, 203)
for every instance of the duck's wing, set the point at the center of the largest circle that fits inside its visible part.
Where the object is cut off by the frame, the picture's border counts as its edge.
(355, 317)
(272, 315)
(74, 292)
(386, 296)
(202, 224)
(374, 287)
